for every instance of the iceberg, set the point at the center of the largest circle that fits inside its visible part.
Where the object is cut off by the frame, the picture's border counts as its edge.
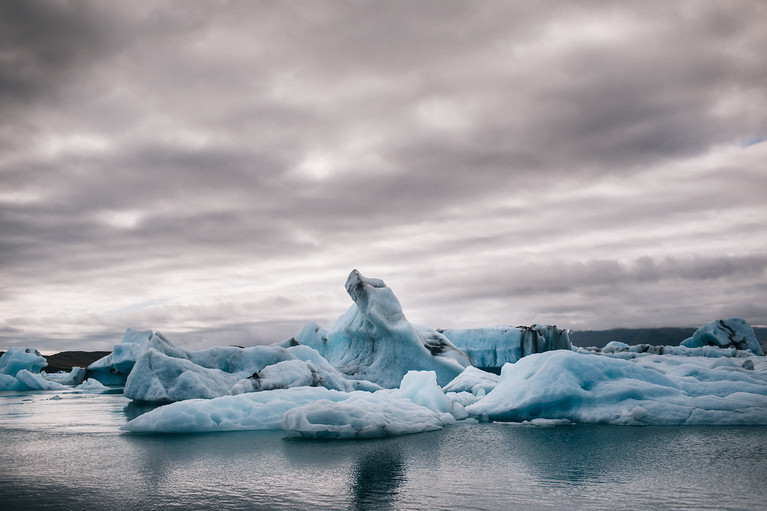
(74, 377)
(474, 381)
(16, 359)
(27, 380)
(725, 333)
(369, 416)
(242, 412)
(164, 373)
(115, 367)
(664, 390)
(621, 350)
(374, 341)
(731, 337)
(20, 370)
(92, 385)
(490, 348)
(418, 405)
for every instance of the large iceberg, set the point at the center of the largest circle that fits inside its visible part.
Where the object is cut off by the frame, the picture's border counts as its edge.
(418, 405)
(648, 390)
(114, 368)
(490, 348)
(164, 372)
(374, 341)
(725, 333)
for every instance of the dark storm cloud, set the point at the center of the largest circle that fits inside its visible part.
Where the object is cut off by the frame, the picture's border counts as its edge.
(229, 163)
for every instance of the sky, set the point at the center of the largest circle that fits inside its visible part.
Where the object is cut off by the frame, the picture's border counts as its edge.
(215, 170)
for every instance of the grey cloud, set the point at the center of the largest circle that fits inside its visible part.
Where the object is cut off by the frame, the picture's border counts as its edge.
(145, 140)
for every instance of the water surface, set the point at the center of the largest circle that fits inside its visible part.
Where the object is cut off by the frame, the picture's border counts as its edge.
(68, 453)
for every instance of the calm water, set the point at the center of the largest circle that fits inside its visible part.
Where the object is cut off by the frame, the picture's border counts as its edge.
(68, 454)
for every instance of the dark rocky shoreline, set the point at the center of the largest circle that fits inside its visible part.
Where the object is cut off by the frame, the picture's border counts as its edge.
(66, 360)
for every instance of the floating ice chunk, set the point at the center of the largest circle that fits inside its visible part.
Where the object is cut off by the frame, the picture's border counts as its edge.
(418, 405)
(92, 385)
(627, 352)
(473, 380)
(174, 374)
(35, 381)
(369, 416)
(74, 377)
(20, 370)
(494, 346)
(374, 341)
(613, 346)
(251, 411)
(725, 333)
(114, 368)
(16, 359)
(661, 390)
(158, 377)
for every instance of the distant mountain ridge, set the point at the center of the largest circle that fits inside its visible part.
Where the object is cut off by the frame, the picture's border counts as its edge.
(668, 336)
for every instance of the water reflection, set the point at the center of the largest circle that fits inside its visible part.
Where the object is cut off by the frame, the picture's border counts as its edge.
(136, 408)
(566, 455)
(378, 475)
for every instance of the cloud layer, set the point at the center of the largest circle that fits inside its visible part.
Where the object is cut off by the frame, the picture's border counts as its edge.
(215, 170)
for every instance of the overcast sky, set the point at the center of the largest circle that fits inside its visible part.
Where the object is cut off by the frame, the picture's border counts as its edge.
(214, 170)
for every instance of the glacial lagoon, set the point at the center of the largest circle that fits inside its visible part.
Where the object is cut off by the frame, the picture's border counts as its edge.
(65, 450)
